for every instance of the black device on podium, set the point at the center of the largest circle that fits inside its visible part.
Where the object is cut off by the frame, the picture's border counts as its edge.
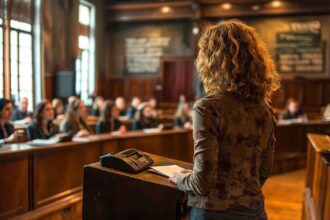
(130, 160)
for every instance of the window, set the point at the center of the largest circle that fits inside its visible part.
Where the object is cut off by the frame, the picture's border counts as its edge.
(21, 55)
(1, 49)
(85, 64)
(19, 75)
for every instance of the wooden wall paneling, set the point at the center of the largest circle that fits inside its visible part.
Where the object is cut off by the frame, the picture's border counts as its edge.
(129, 87)
(166, 145)
(14, 185)
(59, 172)
(313, 94)
(176, 75)
(49, 86)
(326, 92)
(123, 12)
(244, 9)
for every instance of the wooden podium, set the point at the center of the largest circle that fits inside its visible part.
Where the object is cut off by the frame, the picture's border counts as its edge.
(112, 194)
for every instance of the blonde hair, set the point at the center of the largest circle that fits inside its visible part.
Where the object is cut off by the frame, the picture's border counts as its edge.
(232, 58)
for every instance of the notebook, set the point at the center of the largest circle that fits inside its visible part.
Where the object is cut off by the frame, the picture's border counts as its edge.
(167, 169)
(44, 142)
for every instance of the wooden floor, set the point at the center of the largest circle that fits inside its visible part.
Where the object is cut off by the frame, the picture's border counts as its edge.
(284, 195)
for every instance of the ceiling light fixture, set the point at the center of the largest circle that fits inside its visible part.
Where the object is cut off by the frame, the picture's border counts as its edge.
(255, 7)
(276, 4)
(165, 9)
(226, 6)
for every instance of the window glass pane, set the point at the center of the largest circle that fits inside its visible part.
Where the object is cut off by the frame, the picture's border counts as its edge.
(13, 38)
(20, 25)
(13, 82)
(25, 40)
(13, 68)
(1, 39)
(25, 55)
(25, 83)
(85, 63)
(84, 15)
(25, 69)
(83, 42)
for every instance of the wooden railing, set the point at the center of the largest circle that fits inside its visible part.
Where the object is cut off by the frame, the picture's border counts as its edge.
(35, 177)
(317, 192)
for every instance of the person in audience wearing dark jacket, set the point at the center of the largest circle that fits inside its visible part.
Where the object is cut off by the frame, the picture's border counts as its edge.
(183, 116)
(108, 121)
(22, 113)
(74, 119)
(121, 105)
(144, 118)
(7, 130)
(42, 127)
(133, 108)
(97, 106)
(293, 111)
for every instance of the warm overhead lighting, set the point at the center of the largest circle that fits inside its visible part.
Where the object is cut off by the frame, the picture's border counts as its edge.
(255, 7)
(226, 6)
(195, 30)
(165, 9)
(276, 4)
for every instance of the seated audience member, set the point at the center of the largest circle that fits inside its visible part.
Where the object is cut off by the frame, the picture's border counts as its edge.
(42, 127)
(22, 113)
(144, 118)
(292, 111)
(7, 130)
(72, 98)
(74, 119)
(183, 115)
(58, 107)
(153, 103)
(97, 106)
(133, 108)
(108, 121)
(121, 105)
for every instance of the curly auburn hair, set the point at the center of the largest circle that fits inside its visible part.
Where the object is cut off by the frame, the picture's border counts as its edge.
(232, 58)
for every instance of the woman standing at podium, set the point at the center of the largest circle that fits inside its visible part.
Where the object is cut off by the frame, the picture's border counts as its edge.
(233, 125)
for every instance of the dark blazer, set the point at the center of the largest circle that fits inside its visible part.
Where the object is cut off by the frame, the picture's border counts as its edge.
(122, 112)
(104, 126)
(138, 125)
(19, 115)
(287, 115)
(74, 127)
(179, 122)
(9, 127)
(34, 131)
(131, 112)
(95, 112)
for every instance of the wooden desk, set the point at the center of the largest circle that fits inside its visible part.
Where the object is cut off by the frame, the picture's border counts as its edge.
(49, 173)
(317, 192)
(291, 144)
(112, 194)
(32, 177)
(14, 183)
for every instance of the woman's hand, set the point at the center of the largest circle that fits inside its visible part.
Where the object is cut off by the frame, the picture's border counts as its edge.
(12, 138)
(122, 129)
(173, 178)
(82, 133)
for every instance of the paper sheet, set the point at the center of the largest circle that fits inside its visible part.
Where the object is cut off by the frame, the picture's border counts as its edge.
(168, 170)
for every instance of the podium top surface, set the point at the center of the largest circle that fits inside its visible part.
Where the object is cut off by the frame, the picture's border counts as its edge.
(144, 175)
